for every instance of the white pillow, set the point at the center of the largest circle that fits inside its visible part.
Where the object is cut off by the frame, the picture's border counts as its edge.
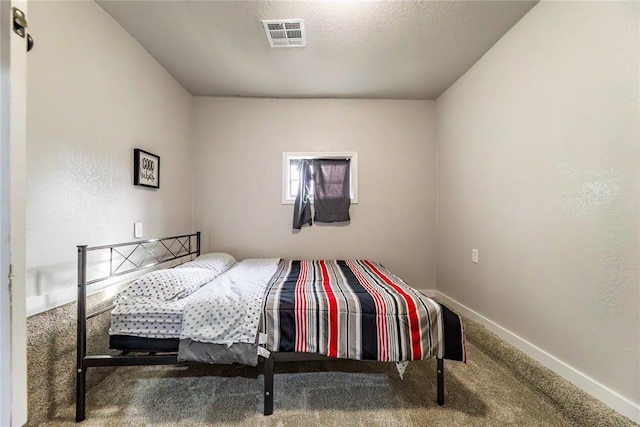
(168, 284)
(217, 261)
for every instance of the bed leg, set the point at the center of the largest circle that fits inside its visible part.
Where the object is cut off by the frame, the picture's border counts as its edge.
(81, 351)
(440, 382)
(268, 386)
(81, 381)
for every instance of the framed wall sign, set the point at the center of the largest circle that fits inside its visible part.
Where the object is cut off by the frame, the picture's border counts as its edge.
(146, 169)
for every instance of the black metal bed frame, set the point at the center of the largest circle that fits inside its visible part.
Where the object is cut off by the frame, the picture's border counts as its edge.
(308, 357)
(185, 249)
(172, 248)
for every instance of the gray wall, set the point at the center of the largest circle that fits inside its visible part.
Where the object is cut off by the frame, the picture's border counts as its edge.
(538, 169)
(537, 157)
(94, 95)
(238, 152)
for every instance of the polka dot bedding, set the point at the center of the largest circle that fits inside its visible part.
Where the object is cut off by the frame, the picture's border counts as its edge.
(165, 285)
(226, 308)
(149, 319)
(152, 306)
(229, 312)
(217, 261)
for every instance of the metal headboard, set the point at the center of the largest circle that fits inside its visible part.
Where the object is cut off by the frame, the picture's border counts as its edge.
(151, 252)
(171, 248)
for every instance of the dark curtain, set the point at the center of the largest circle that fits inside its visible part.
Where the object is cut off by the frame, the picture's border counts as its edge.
(331, 191)
(302, 206)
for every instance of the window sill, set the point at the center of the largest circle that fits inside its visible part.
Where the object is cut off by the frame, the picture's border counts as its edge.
(291, 202)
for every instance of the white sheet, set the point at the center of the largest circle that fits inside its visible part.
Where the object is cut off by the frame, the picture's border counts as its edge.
(228, 311)
(150, 318)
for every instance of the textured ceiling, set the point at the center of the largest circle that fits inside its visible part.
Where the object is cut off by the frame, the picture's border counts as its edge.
(365, 49)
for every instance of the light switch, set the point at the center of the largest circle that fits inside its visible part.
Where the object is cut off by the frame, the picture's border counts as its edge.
(137, 230)
(474, 255)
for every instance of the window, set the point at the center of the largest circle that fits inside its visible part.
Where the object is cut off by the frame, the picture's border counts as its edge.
(290, 173)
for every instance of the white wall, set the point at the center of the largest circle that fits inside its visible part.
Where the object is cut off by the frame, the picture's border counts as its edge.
(94, 95)
(538, 149)
(238, 160)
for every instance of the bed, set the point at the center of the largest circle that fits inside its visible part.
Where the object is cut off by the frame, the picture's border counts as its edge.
(211, 309)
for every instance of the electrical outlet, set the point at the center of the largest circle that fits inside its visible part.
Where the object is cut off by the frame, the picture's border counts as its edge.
(137, 230)
(474, 255)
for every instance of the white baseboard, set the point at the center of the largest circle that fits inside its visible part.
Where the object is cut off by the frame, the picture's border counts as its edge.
(601, 392)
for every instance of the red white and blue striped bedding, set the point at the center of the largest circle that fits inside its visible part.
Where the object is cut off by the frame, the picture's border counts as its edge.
(356, 309)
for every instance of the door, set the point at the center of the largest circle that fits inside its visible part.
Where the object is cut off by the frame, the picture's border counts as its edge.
(13, 321)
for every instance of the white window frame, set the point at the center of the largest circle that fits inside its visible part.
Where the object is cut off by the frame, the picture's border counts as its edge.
(287, 156)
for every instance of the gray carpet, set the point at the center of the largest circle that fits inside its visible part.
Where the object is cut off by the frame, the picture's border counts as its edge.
(498, 386)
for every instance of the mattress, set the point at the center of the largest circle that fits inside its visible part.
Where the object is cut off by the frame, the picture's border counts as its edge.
(154, 345)
(352, 309)
(245, 354)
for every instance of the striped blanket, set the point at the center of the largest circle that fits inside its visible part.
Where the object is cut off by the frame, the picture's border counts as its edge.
(356, 309)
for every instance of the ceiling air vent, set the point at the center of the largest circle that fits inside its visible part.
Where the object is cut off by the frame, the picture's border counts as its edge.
(285, 32)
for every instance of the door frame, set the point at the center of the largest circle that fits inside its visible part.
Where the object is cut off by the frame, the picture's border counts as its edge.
(13, 319)
(5, 306)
